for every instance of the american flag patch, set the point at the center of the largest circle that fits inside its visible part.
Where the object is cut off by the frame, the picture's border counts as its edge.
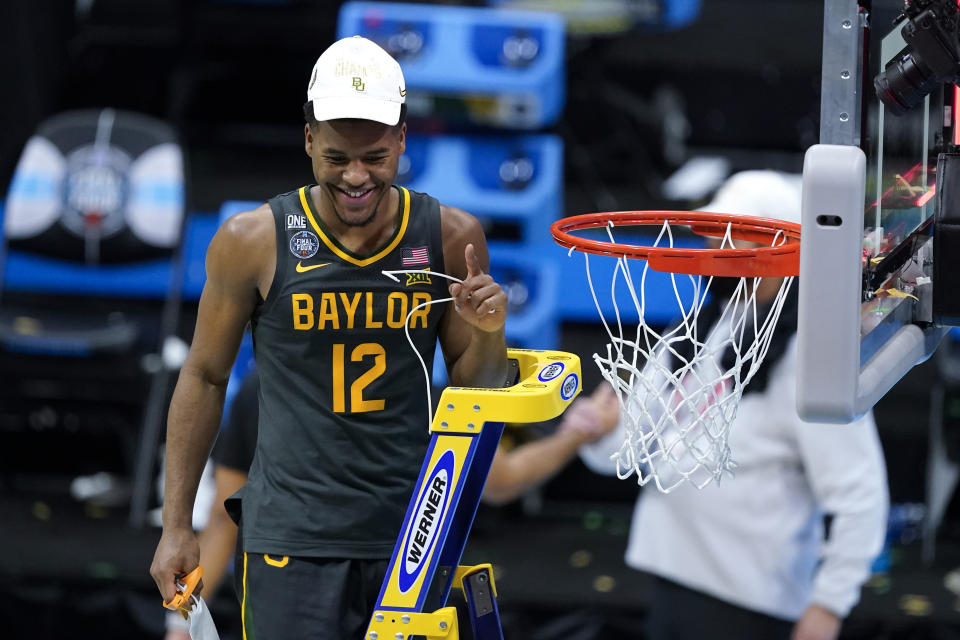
(417, 255)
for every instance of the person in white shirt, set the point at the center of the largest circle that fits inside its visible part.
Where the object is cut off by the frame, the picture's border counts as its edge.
(747, 557)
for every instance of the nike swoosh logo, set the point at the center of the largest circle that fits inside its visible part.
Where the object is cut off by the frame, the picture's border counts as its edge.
(303, 269)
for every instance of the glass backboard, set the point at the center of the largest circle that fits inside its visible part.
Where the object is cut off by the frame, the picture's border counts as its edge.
(901, 152)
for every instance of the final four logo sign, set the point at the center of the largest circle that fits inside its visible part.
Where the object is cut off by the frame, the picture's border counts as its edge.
(96, 191)
(426, 521)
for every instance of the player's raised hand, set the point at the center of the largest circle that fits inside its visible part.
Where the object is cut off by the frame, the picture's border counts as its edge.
(479, 299)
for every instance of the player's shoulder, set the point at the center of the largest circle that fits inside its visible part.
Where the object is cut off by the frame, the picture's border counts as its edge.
(247, 226)
(460, 228)
(418, 200)
(292, 201)
(244, 237)
(457, 223)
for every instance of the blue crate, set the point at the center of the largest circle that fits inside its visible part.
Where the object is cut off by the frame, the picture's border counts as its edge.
(493, 67)
(577, 303)
(596, 17)
(675, 14)
(468, 173)
(531, 282)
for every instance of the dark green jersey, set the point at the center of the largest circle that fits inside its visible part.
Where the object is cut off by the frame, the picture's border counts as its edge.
(343, 406)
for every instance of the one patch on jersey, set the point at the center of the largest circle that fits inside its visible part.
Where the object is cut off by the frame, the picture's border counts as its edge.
(296, 221)
(304, 244)
(418, 278)
(410, 256)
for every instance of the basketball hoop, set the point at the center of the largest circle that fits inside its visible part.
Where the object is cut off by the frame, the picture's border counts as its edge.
(679, 389)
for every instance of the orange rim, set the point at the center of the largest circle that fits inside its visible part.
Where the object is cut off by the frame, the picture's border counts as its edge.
(781, 260)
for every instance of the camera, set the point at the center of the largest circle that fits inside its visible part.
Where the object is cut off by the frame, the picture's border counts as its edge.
(930, 58)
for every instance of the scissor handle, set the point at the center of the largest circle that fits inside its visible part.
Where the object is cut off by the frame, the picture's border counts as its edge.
(185, 587)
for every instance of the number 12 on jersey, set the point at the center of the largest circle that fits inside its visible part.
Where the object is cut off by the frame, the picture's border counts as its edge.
(357, 402)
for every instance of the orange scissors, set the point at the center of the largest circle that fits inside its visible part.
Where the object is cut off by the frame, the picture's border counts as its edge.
(185, 586)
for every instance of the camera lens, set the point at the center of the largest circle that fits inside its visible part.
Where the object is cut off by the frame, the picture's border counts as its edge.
(904, 83)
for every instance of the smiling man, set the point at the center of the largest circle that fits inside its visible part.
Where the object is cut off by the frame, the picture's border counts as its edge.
(342, 426)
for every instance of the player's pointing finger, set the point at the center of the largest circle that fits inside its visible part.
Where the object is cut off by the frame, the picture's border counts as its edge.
(474, 268)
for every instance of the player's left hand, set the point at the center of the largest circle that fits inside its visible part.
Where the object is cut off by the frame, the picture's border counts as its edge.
(479, 299)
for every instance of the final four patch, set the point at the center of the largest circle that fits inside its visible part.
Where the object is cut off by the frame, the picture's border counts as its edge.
(304, 244)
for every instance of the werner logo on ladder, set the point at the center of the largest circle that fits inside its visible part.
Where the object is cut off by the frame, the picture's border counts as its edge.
(429, 512)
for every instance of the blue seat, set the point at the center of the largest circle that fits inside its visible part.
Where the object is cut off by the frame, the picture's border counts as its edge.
(474, 64)
(91, 289)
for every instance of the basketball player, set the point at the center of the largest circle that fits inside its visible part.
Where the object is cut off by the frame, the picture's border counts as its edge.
(746, 558)
(342, 429)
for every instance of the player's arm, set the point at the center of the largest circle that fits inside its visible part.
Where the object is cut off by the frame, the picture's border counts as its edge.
(471, 333)
(219, 537)
(845, 467)
(217, 542)
(240, 262)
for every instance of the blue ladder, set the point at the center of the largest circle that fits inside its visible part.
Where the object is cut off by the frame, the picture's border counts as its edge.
(465, 432)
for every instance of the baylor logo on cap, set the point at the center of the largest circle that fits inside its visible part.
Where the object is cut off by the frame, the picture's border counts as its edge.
(358, 83)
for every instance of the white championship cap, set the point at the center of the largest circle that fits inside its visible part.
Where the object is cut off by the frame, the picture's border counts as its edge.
(355, 78)
(767, 194)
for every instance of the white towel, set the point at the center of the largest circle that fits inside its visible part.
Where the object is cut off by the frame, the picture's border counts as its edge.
(201, 622)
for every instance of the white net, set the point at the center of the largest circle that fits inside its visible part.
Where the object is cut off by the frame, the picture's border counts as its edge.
(679, 389)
